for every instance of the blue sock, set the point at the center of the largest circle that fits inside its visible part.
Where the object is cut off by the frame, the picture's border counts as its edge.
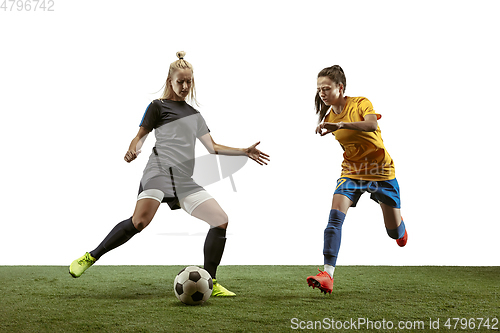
(398, 232)
(333, 234)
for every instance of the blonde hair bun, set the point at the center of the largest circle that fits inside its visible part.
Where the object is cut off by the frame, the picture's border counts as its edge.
(180, 54)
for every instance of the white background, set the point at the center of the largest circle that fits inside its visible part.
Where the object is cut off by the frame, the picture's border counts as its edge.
(74, 84)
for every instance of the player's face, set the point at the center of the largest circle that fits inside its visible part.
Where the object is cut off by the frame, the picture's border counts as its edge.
(182, 81)
(329, 92)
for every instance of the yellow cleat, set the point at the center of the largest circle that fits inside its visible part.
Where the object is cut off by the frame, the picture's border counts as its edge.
(81, 264)
(220, 291)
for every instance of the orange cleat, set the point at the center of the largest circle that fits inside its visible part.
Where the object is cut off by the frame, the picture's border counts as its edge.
(323, 281)
(402, 241)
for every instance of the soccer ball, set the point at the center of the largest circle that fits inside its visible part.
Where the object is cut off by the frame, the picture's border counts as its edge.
(193, 285)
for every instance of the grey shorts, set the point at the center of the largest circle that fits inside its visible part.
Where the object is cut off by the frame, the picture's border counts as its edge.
(174, 185)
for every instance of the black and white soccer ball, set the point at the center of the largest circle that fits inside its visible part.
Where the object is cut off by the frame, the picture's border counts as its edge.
(193, 285)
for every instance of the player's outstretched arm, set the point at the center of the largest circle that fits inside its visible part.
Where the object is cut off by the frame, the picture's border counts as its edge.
(252, 152)
(135, 146)
(369, 124)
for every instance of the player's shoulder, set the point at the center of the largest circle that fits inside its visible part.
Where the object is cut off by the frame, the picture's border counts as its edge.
(155, 105)
(360, 103)
(182, 106)
(157, 102)
(359, 100)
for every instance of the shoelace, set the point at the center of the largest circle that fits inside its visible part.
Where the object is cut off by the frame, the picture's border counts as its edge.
(85, 259)
(324, 273)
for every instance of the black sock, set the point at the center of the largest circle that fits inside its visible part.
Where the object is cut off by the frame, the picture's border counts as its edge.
(120, 234)
(213, 249)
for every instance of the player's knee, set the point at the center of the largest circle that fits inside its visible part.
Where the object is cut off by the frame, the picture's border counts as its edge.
(221, 220)
(224, 221)
(222, 226)
(140, 222)
(336, 219)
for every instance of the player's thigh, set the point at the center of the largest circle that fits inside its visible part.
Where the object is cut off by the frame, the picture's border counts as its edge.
(211, 212)
(341, 202)
(392, 216)
(145, 210)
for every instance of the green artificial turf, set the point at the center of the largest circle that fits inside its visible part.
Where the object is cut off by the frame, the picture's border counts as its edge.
(141, 299)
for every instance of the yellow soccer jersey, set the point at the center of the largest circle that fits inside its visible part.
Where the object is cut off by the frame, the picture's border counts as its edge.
(365, 156)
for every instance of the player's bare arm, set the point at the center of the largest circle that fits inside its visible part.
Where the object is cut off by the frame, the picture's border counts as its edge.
(135, 146)
(369, 124)
(252, 152)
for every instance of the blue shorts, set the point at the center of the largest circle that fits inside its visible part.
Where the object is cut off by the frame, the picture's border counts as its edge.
(386, 191)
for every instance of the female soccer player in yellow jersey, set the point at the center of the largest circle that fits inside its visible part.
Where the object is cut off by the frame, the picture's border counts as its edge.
(367, 166)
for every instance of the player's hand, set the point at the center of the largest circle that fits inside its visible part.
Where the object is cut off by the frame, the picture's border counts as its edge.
(131, 155)
(326, 128)
(256, 154)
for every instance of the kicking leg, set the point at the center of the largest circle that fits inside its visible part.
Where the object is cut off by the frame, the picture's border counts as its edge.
(210, 212)
(394, 224)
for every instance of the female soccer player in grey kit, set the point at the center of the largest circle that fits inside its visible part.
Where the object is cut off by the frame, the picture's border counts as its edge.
(167, 176)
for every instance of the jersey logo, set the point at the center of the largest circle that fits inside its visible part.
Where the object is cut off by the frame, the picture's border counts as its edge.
(340, 182)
